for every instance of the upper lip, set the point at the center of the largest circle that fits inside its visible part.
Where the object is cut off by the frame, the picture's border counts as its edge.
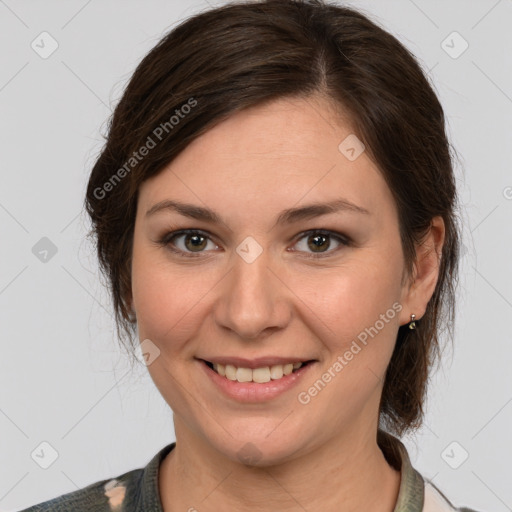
(258, 362)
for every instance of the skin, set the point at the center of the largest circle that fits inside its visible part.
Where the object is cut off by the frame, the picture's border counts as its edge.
(248, 169)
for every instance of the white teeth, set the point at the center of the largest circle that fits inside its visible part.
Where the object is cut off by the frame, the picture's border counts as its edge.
(243, 374)
(230, 372)
(260, 375)
(276, 372)
(288, 368)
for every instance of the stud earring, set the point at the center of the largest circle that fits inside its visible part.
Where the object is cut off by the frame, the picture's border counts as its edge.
(412, 323)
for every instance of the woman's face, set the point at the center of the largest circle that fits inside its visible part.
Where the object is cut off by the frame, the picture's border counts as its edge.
(255, 286)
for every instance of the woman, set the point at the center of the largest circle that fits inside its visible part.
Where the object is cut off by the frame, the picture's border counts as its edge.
(275, 211)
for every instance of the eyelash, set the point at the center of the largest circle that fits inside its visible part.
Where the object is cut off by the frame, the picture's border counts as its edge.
(165, 241)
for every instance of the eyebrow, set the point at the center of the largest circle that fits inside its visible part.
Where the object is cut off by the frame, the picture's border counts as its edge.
(285, 217)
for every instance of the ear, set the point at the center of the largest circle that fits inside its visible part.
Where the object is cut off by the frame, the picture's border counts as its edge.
(420, 286)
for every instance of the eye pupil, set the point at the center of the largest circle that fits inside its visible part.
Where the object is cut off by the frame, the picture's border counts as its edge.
(317, 244)
(197, 243)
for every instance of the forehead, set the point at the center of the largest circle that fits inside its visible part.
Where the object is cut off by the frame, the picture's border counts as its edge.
(270, 156)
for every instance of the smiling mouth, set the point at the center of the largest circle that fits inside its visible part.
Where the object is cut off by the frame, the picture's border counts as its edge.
(259, 375)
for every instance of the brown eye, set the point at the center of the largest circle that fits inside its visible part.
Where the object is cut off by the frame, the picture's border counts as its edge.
(195, 242)
(319, 242)
(187, 242)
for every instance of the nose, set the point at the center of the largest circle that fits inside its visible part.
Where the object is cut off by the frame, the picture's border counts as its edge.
(254, 302)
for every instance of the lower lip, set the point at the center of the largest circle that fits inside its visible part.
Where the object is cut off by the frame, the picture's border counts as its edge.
(254, 392)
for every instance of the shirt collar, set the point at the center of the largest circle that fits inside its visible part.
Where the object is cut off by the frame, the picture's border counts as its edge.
(412, 485)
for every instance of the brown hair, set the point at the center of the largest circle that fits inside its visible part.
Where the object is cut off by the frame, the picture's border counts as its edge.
(243, 54)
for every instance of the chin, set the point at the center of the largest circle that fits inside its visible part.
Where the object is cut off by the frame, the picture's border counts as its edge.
(260, 449)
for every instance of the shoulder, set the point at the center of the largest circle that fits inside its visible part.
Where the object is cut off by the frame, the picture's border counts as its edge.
(436, 501)
(134, 490)
(416, 493)
(102, 496)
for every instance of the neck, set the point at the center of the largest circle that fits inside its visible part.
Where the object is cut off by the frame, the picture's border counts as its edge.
(349, 470)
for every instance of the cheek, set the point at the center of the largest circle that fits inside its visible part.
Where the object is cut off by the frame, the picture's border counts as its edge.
(166, 301)
(361, 306)
(355, 297)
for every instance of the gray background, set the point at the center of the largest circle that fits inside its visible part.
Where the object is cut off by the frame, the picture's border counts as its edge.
(63, 379)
